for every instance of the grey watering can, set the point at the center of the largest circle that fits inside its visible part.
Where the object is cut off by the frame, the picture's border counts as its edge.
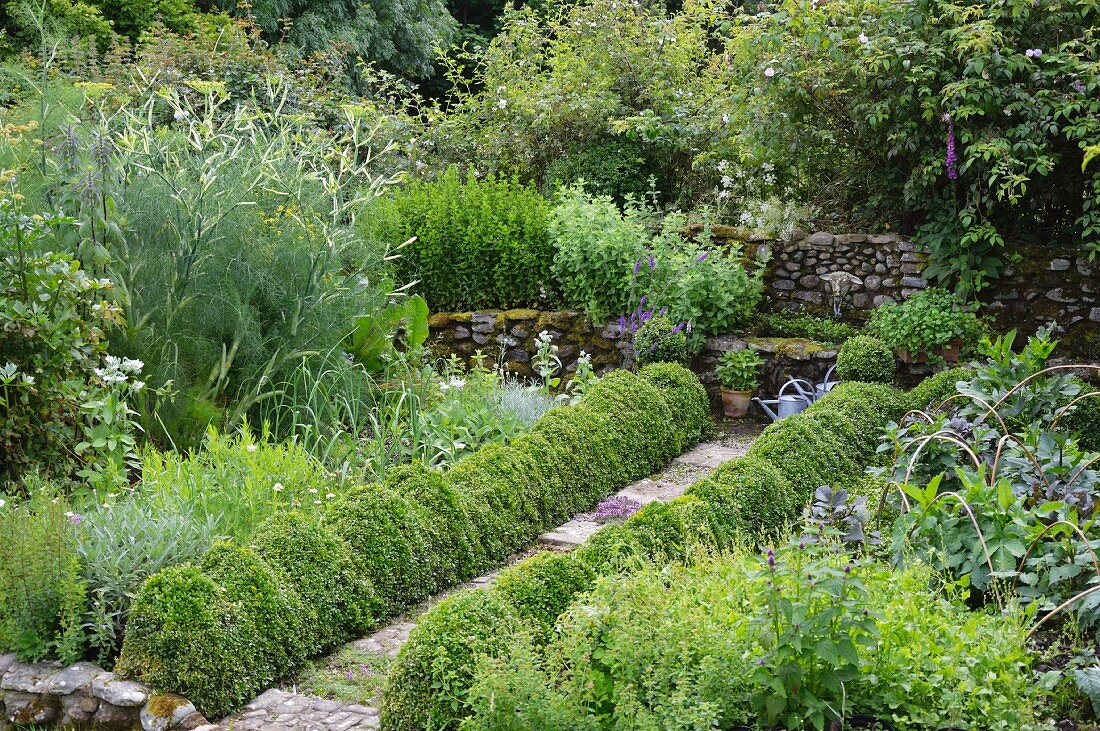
(827, 385)
(788, 404)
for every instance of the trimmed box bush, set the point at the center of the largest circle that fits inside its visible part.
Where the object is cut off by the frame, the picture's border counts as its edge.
(932, 391)
(339, 599)
(541, 587)
(426, 689)
(747, 497)
(386, 533)
(686, 398)
(866, 359)
(186, 635)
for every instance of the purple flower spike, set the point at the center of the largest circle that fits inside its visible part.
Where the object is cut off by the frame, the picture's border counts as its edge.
(622, 323)
(952, 157)
(642, 301)
(638, 266)
(652, 263)
(664, 311)
(702, 257)
(679, 326)
(76, 518)
(771, 558)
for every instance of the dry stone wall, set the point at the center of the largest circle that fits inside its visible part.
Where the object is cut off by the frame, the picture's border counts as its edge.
(888, 267)
(508, 337)
(85, 695)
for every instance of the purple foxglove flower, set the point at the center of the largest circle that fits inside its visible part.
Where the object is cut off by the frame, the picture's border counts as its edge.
(952, 157)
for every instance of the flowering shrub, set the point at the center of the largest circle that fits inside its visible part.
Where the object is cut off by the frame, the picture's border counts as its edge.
(610, 263)
(64, 398)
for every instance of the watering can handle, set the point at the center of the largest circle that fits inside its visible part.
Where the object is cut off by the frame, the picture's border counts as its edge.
(829, 373)
(807, 394)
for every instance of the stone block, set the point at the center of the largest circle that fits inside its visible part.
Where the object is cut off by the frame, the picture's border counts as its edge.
(784, 285)
(30, 677)
(1060, 265)
(915, 282)
(883, 239)
(873, 283)
(79, 708)
(117, 692)
(166, 712)
(821, 240)
(461, 332)
(24, 709)
(809, 281)
(75, 677)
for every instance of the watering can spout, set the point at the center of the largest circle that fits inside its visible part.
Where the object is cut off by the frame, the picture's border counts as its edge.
(767, 409)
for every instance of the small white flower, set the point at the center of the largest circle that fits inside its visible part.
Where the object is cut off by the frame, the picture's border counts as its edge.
(864, 39)
(181, 114)
(722, 165)
(769, 72)
(502, 103)
(727, 181)
(250, 448)
(277, 487)
(331, 495)
(316, 502)
(313, 491)
(2, 502)
(725, 119)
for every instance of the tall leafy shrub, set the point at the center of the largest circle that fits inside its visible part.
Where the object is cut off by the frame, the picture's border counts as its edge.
(480, 243)
(969, 119)
(615, 263)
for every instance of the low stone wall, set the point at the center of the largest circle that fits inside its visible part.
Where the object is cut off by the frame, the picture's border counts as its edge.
(784, 358)
(85, 695)
(889, 268)
(508, 337)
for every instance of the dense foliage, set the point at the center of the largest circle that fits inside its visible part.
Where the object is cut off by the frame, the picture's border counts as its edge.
(972, 119)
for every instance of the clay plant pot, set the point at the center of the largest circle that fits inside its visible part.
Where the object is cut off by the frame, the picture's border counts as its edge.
(949, 353)
(735, 404)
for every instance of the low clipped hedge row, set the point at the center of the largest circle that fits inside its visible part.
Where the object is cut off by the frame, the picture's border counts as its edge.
(752, 498)
(223, 630)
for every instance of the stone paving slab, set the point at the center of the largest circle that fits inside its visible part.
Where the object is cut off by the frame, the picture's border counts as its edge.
(286, 710)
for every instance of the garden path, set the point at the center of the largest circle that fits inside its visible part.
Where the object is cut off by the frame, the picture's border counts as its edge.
(354, 674)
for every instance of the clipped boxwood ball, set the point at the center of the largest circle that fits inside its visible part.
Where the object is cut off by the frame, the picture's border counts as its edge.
(748, 498)
(541, 587)
(435, 667)
(686, 398)
(659, 340)
(864, 358)
(271, 603)
(185, 634)
(322, 569)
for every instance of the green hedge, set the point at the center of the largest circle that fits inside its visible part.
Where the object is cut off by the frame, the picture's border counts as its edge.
(749, 499)
(221, 632)
(932, 391)
(480, 244)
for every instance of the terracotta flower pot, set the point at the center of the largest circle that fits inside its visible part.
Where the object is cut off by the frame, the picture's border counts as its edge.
(735, 404)
(949, 353)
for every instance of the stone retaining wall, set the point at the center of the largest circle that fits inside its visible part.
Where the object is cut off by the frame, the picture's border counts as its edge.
(1041, 286)
(85, 695)
(888, 267)
(508, 337)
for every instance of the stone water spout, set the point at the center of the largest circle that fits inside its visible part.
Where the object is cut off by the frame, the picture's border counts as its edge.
(838, 285)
